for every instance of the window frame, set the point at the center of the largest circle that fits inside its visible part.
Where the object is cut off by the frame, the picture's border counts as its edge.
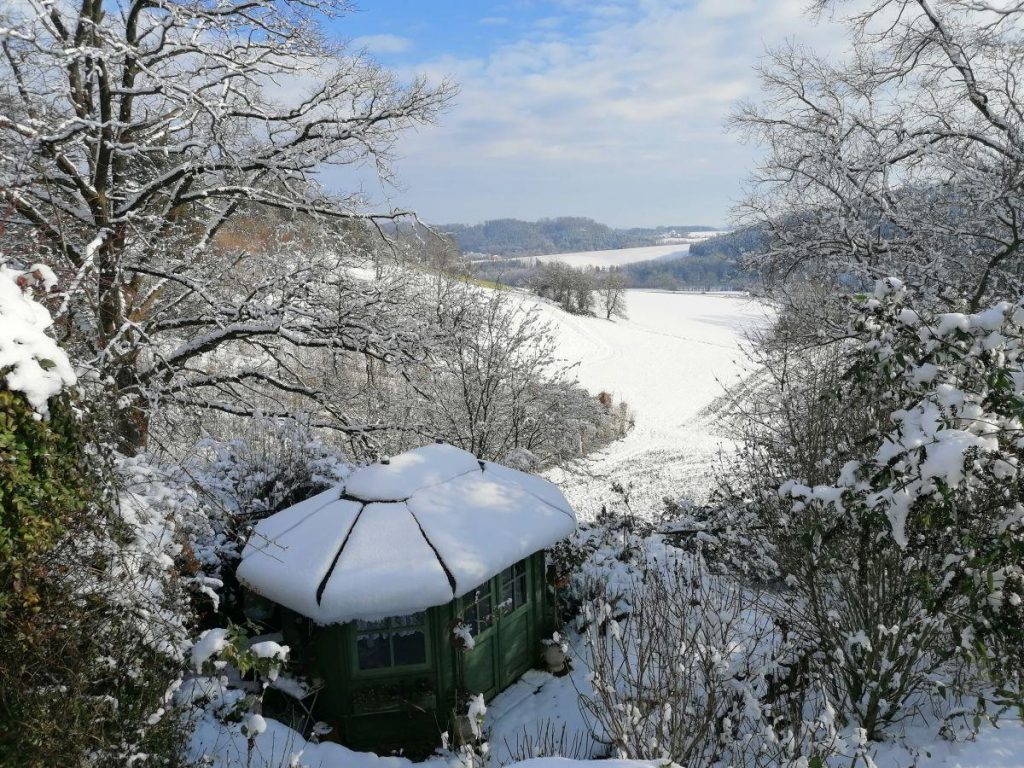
(465, 601)
(496, 586)
(391, 670)
(523, 576)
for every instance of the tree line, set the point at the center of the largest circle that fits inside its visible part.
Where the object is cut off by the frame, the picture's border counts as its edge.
(565, 234)
(581, 291)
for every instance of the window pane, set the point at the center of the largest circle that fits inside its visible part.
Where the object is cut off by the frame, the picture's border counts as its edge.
(470, 616)
(507, 601)
(412, 620)
(476, 611)
(365, 625)
(410, 647)
(513, 587)
(484, 611)
(373, 650)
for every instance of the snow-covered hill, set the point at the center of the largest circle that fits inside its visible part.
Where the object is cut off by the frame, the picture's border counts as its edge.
(668, 361)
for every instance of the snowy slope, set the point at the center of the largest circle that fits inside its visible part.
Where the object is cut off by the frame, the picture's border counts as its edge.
(669, 361)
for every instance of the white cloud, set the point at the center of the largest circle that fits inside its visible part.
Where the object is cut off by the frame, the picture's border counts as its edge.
(618, 115)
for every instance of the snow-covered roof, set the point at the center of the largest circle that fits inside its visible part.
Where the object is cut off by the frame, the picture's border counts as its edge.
(428, 526)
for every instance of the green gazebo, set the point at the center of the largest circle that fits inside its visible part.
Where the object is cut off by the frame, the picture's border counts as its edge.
(417, 582)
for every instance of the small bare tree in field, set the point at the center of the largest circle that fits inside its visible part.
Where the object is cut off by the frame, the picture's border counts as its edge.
(611, 293)
(133, 132)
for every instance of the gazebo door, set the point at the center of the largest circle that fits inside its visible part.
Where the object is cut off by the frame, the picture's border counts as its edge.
(480, 665)
(513, 626)
(498, 616)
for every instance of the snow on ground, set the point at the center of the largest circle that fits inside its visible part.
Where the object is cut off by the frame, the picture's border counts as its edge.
(537, 701)
(669, 361)
(612, 258)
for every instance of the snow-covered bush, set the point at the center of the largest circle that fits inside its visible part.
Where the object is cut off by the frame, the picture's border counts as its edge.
(546, 739)
(223, 696)
(724, 532)
(92, 620)
(30, 361)
(496, 384)
(678, 678)
(268, 464)
(902, 545)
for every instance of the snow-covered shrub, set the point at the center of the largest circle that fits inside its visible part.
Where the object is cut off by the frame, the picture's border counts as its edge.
(92, 622)
(600, 559)
(30, 361)
(231, 674)
(725, 532)
(472, 748)
(902, 545)
(270, 465)
(679, 676)
(545, 739)
(220, 648)
(494, 383)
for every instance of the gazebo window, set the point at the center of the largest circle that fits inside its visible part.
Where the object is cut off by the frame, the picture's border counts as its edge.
(513, 587)
(398, 641)
(477, 613)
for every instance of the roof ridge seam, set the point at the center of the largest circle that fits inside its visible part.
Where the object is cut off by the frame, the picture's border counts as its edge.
(442, 482)
(330, 570)
(570, 515)
(437, 554)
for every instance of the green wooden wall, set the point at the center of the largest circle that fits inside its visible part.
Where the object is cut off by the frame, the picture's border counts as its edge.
(404, 708)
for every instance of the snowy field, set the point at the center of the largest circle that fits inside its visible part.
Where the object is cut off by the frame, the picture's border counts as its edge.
(612, 258)
(669, 361)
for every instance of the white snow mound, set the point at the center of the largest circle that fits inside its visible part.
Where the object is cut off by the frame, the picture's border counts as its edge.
(426, 527)
(30, 361)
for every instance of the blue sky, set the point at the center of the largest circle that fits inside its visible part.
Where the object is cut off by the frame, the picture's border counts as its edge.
(612, 109)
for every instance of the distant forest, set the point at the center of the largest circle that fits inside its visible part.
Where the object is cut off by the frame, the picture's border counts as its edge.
(715, 264)
(565, 234)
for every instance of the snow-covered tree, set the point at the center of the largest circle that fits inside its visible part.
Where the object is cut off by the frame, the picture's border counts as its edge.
(492, 382)
(902, 535)
(132, 134)
(611, 295)
(903, 157)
